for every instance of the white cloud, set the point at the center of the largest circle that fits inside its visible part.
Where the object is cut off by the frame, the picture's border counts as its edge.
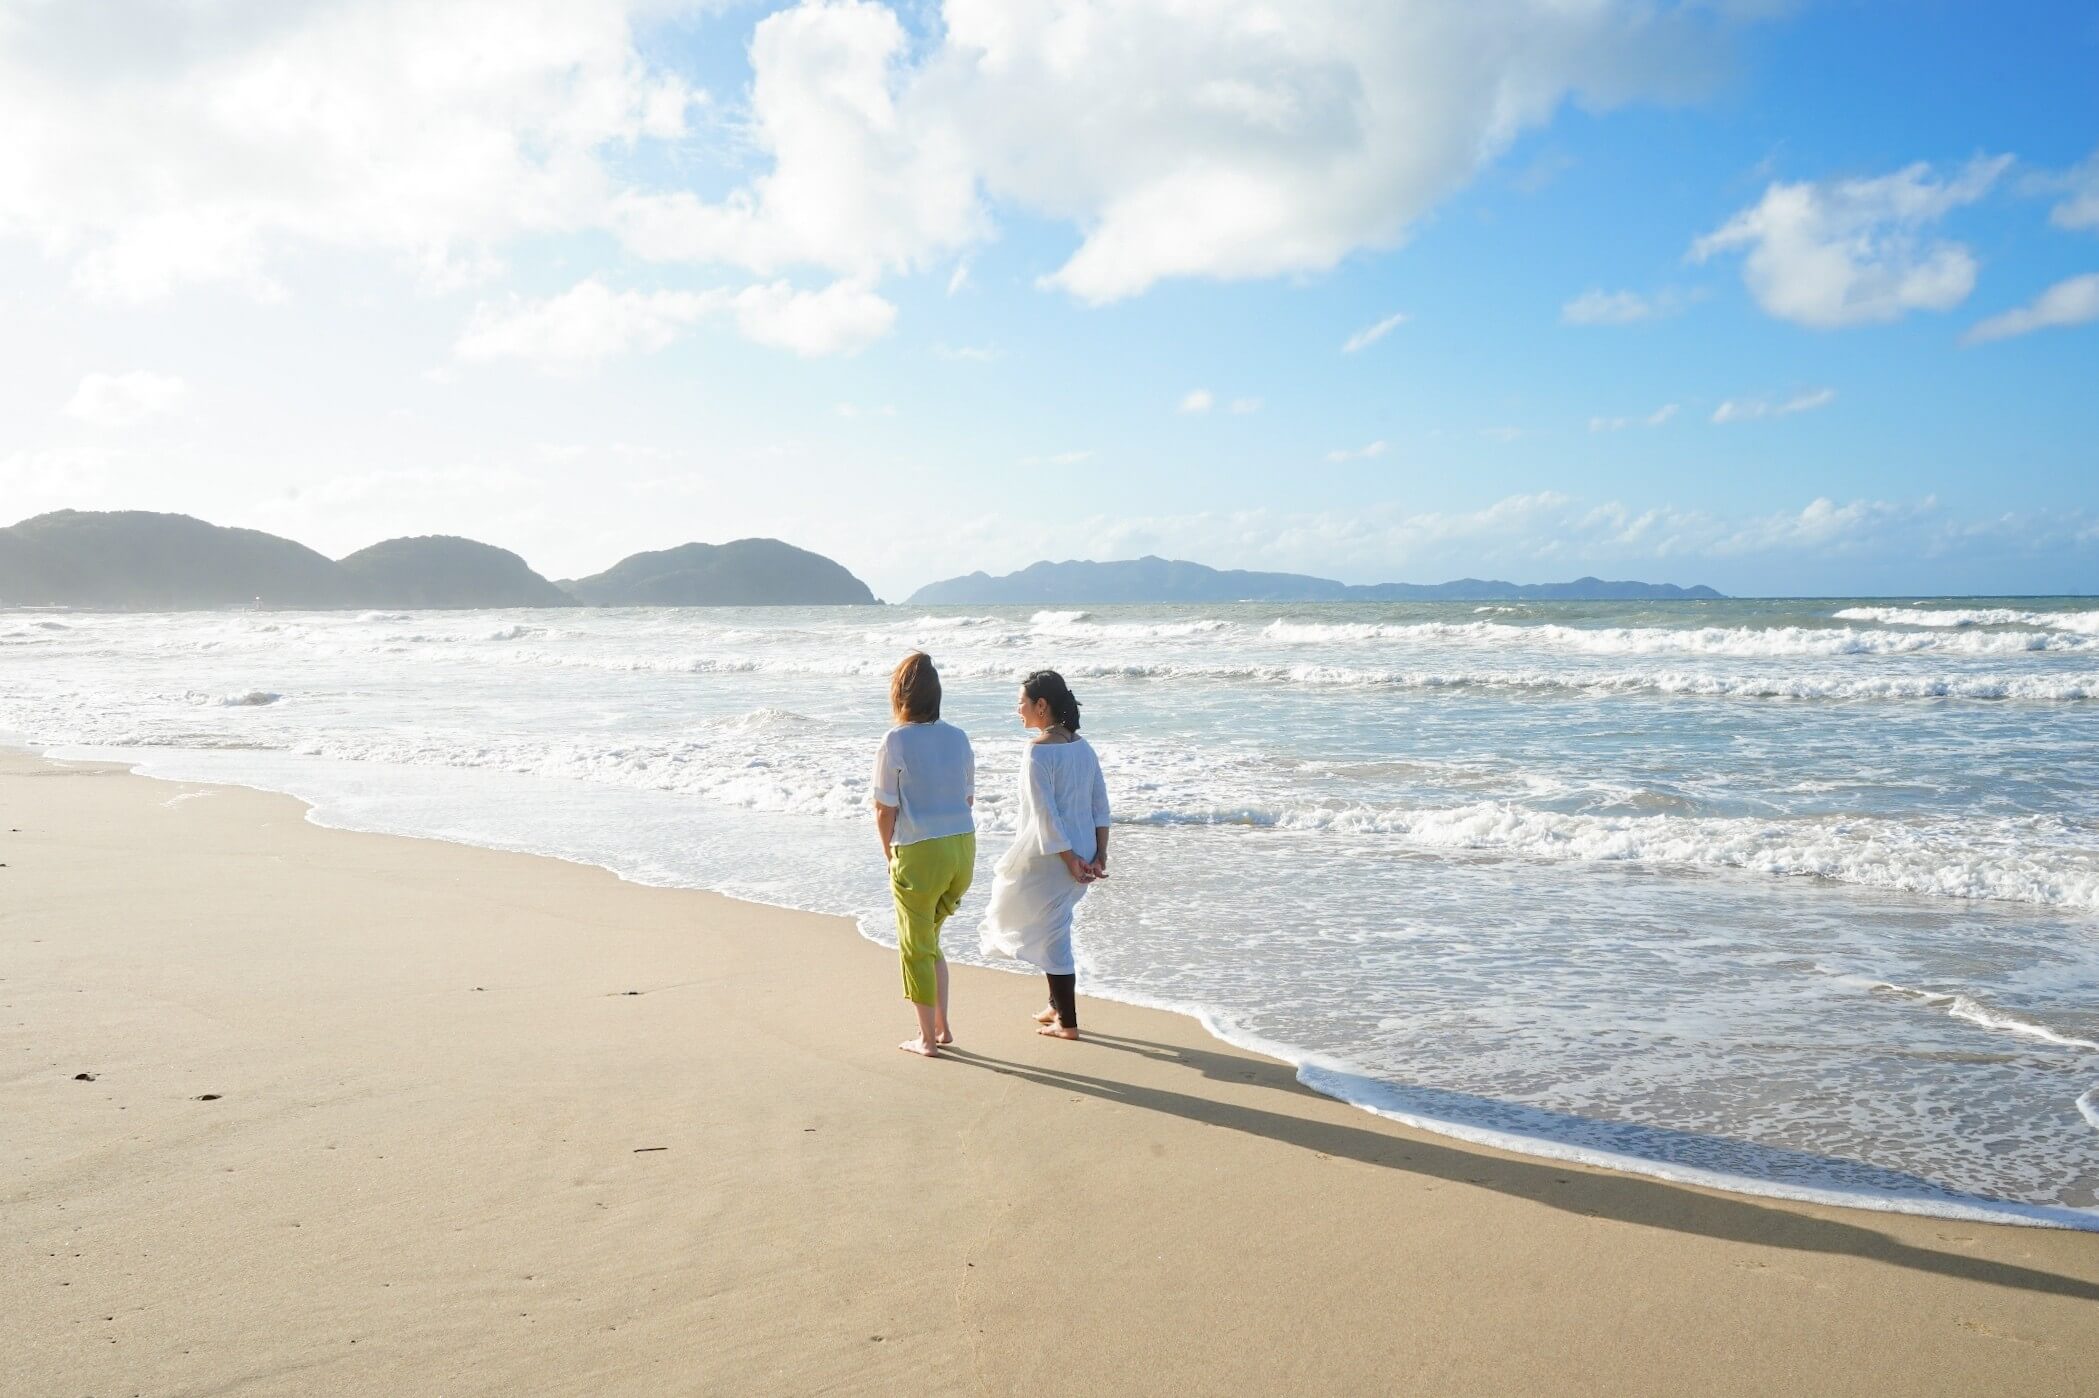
(1243, 406)
(1234, 139)
(2080, 209)
(152, 146)
(583, 325)
(1746, 409)
(1366, 452)
(1197, 400)
(119, 400)
(844, 318)
(590, 322)
(1264, 139)
(1371, 334)
(2074, 301)
(978, 354)
(156, 145)
(1599, 307)
(1855, 252)
(869, 166)
(1619, 424)
(52, 478)
(1820, 524)
(1501, 434)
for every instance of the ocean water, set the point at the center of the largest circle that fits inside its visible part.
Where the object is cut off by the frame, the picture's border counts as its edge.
(1795, 897)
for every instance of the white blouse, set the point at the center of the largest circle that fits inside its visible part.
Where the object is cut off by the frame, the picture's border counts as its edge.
(1063, 799)
(926, 771)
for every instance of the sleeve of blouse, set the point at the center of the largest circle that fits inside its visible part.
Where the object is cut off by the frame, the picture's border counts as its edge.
(884, 786)
(1042, 802)
(969, 770)
(1100, 796)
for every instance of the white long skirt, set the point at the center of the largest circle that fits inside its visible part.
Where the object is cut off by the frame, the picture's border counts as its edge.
(1029, 917)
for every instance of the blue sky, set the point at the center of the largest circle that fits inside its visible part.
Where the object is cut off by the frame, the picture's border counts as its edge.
(1781, 298)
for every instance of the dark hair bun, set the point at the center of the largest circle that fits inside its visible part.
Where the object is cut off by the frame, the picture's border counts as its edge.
(1049, 685)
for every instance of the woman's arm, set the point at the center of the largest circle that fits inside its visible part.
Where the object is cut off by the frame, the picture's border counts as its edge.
(1078, 868)
(886, 794)
(1101, 818)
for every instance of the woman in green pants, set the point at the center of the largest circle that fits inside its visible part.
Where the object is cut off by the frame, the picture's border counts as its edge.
(925, 785)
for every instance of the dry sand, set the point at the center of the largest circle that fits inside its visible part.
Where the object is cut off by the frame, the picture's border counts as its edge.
(383, 1116)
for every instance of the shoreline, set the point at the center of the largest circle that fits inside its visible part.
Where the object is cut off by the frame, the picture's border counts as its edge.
(377, 1113)
(1334, 1078)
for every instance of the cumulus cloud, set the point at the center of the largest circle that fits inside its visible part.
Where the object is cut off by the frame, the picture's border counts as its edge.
(1366, 452)
(869, 169)
(1240, 139)
(120, 400)
(1371, 334)
(2073, 301)
(153, 145)
(1855, 252)
(1748, 409)
(1242, 406)
(1197, 400)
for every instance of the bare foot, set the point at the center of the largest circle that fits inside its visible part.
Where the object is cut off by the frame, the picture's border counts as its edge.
(1046, 1015)
(945, 1036)
(920, 1047)
(1057, 1031)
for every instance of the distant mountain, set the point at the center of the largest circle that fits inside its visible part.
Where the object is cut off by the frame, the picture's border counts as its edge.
(135, 560)
(1150, 579)
(746, 573)
(139, 561)
(438, 570)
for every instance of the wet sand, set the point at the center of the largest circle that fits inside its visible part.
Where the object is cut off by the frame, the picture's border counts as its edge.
(364, 1114)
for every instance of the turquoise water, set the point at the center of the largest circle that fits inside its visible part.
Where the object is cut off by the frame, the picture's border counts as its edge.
(1800, 897)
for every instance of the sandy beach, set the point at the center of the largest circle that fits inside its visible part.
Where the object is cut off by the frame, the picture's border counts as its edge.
(292, 1110)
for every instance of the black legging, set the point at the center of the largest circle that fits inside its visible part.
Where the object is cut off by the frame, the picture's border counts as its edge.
(1064, 995)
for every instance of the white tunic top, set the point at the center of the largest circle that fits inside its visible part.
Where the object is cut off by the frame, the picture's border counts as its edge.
(1063, 800)
(926, 771)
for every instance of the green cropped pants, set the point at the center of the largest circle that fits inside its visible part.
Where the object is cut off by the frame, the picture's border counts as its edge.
(927, 878)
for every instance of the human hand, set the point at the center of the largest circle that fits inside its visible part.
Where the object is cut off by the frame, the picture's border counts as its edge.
(1099, 867)
(1078, 868)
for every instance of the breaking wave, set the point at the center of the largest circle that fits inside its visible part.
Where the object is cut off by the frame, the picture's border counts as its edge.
(1872, 853)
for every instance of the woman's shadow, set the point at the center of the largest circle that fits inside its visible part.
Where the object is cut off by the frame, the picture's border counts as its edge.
(1630, 1198)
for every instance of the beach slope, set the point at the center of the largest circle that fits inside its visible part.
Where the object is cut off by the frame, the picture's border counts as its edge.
(292, 1110)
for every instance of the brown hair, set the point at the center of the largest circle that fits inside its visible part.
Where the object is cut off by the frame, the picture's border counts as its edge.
(914, 690)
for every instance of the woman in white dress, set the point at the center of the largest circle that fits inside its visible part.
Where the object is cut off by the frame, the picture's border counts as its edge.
(1062, 847)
